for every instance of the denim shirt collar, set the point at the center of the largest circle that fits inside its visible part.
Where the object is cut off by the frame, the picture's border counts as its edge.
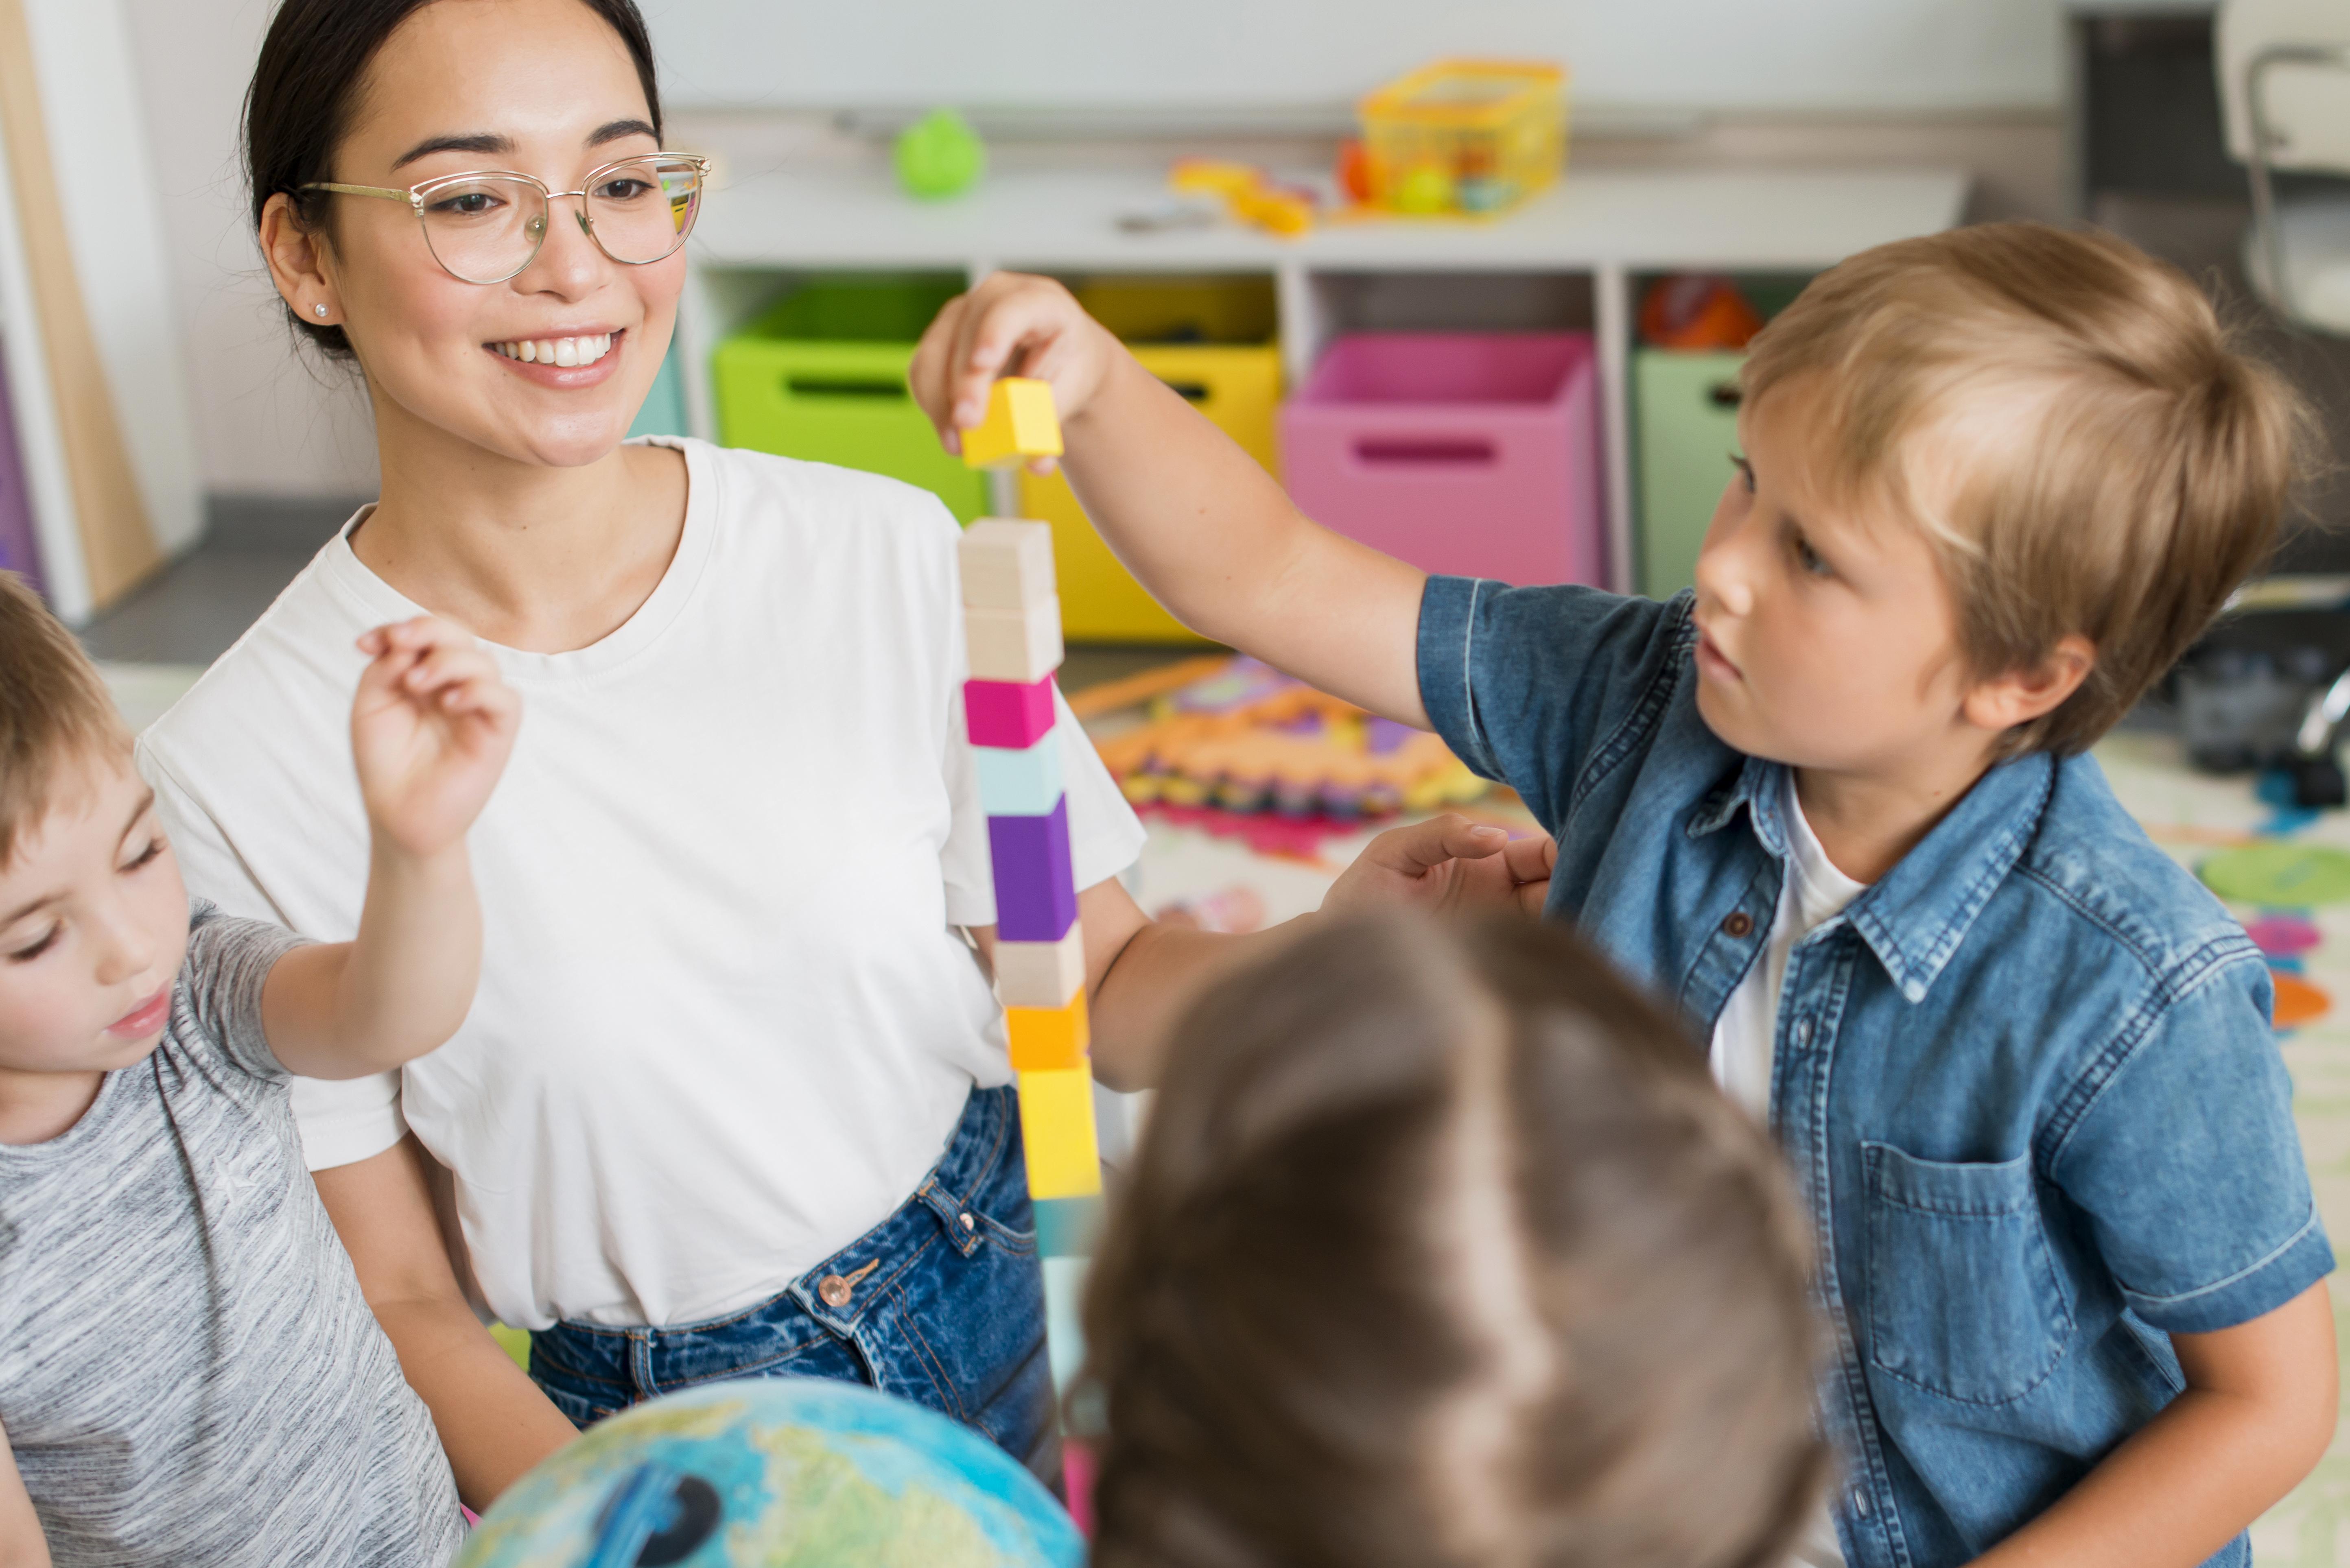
(1913, 919)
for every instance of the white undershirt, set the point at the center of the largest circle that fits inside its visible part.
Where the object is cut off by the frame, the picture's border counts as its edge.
(726, 1022)
(1744, 1036)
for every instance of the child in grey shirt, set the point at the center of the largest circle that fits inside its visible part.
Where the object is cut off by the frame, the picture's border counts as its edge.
(188, 1372)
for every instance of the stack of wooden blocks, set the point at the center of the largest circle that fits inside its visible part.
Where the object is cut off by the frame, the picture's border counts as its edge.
(1012, 619)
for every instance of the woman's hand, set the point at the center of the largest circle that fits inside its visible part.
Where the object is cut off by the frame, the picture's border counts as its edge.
(430, 731)
(1447, 864)
(1010, 324)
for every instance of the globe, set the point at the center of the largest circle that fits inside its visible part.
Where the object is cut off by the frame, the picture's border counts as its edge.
(779, 1473)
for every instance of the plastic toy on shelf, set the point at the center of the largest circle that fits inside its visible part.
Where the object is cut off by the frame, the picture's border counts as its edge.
(1460, 137)
(1249, 194)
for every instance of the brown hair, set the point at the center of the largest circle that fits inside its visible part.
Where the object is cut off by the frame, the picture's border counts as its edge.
(1443, 1250)
(55, 711)
(2154, 467)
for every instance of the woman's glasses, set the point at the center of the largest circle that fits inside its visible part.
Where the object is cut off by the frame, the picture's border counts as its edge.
(486, 227)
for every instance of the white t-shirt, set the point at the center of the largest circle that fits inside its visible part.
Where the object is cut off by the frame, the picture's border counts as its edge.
(1745, 1034)
(726, 1023)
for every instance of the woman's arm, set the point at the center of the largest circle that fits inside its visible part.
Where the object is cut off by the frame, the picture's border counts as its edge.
(494, 1422)
(22, 1544)
(2260, 1407)
(1141, 973)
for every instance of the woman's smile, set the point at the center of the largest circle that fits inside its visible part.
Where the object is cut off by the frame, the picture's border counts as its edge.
(580, 359)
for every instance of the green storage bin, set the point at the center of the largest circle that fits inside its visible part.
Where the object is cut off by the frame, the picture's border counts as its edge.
(1685, 425)
(822, 376)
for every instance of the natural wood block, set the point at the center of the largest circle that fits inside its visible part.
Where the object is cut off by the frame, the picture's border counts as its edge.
(1020, 424)
(1040, 974)
(1045, 1039)
(1006, 565)
(1020, 645)
(1056, 1125)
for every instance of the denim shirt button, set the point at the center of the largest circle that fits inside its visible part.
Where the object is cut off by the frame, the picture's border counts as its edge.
(1860, 1502)
(1802, 1031)
(1738, 924)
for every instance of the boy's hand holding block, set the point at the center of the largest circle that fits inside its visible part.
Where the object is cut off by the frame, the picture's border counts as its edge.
(1020, 425)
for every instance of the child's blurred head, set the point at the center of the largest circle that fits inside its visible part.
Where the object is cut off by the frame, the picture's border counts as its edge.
(2001, 478)
(93, 917)
(1441, 1249)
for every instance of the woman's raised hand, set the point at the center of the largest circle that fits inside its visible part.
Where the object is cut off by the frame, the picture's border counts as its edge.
(430, 731)
(1010, 324)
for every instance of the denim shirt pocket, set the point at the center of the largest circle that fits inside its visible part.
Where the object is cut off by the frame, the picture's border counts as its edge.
(1964, 1298)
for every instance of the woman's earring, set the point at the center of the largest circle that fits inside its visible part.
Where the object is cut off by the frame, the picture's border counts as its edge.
(320, 308)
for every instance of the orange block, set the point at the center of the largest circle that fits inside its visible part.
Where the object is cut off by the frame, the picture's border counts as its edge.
(2297, 1001)
(1045, 1039)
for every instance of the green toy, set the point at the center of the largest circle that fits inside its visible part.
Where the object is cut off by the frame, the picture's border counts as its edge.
(939, 156)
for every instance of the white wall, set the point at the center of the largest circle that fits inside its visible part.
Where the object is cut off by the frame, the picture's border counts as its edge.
(1713, 54)
(267, 421)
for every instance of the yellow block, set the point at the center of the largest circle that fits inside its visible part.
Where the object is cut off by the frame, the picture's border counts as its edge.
(1046, 1039)
(1020, 424)
(1057, 1123)
(1238, 388)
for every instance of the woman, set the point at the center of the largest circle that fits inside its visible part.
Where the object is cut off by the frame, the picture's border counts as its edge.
(730, 1101)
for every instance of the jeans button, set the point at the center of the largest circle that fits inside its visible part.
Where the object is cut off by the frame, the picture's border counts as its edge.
(834, 1290)
(1738, 924)
(968, 1223)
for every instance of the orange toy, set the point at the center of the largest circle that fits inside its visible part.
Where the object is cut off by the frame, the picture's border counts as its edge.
(1695, 312)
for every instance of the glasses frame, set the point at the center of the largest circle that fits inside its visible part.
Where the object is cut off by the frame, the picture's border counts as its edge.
(418, 195)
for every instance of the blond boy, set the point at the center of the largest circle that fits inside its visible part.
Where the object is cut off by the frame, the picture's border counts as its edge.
(1834, 805)
(187, 1373)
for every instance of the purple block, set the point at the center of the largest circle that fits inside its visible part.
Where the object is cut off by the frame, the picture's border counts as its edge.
(1035, 889)
(16, 551)
(1010, 715)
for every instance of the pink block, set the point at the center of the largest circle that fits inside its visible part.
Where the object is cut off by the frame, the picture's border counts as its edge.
(1475, 454)
(1008, 714)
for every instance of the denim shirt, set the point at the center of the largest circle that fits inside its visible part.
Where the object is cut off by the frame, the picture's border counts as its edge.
(2027, 1081)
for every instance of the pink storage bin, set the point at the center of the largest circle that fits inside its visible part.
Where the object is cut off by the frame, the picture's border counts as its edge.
(1475, 454)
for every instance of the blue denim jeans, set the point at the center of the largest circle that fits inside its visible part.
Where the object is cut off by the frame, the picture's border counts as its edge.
(942, 1304)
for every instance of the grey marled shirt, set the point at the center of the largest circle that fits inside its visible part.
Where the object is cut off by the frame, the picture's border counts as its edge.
(187, 1373)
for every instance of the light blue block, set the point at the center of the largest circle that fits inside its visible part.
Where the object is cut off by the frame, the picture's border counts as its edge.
(1024, 783)
(1065, 1332)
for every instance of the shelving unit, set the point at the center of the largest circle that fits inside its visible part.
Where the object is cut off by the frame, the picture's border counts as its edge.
(1572, 258)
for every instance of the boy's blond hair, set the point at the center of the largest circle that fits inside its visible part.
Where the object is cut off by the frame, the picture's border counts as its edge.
(2120, 463)
(55, 711)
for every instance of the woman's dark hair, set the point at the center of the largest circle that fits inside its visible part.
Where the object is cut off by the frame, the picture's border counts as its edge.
(1441, 1249)
(305, 86)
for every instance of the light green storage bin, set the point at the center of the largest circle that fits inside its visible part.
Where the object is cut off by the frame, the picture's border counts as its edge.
(1685, 422)
(822, 376)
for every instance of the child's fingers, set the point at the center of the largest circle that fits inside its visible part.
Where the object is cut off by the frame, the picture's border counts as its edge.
(1420, 849)
(929, 377)
(1531, 859)
(446, 665)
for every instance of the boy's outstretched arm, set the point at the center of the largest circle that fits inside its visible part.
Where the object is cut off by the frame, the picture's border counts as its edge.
(2260, 1408)
(1194, 517)
(22, 1544)
(430, 729)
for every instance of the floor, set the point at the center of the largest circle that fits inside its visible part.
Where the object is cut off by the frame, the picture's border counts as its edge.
(152, 647)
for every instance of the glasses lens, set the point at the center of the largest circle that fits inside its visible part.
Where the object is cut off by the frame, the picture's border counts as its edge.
(643, 209)
(483, 228)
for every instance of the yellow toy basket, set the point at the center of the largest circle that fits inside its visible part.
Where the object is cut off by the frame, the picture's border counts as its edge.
(1465, 137)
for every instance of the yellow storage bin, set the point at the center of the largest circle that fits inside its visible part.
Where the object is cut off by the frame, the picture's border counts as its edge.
(1211, 339)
